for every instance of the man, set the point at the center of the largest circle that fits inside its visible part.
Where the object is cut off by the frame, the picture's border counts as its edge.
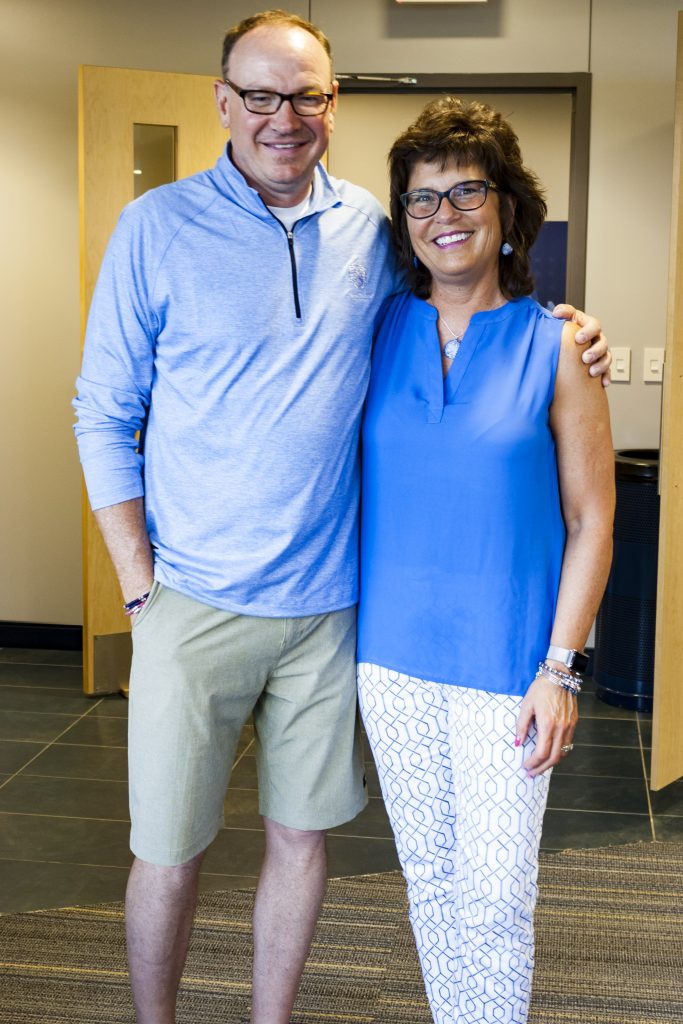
(232, 324)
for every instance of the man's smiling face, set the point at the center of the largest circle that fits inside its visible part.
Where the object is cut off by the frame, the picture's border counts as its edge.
(277, 153)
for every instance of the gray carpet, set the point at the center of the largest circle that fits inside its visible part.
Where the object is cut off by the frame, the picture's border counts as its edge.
(610, 951)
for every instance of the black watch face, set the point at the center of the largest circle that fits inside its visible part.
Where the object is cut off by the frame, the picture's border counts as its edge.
(580, 662)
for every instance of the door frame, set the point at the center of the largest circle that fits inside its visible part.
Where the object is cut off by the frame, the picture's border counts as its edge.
(667, 720)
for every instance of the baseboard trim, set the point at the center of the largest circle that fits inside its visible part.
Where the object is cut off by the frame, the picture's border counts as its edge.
(41, 635)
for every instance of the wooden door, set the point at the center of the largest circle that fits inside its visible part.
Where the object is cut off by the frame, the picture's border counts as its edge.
(111, 102)
(667, 724)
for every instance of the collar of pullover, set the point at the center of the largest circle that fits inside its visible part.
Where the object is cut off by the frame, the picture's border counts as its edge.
(231, 183)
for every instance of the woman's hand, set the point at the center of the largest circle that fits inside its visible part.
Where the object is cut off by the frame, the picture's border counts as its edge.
(555, 713)
(597, 355)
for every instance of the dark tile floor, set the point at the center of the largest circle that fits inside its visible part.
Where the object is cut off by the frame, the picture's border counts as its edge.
(63, 799)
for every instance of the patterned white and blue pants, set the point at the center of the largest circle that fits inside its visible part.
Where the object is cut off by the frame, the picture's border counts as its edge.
(467, 821)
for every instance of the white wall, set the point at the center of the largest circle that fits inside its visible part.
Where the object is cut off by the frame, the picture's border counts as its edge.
(633, 62)
(627, 44)
(500, 36)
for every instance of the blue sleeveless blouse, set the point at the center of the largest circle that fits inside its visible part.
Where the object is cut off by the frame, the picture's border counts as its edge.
(462, 534)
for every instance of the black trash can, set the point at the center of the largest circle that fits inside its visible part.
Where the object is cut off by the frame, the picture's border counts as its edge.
(625, 626)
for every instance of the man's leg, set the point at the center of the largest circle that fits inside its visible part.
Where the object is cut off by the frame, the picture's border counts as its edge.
(160, 904)
(310, 770)
(197, 672)
(288, 900)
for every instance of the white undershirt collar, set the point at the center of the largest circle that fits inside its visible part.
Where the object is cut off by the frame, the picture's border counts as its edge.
(289, 215)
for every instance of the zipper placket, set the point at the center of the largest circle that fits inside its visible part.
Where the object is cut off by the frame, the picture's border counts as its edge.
(292, 260)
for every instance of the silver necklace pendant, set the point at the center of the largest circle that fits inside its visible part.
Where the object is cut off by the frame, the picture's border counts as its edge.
(450, 349)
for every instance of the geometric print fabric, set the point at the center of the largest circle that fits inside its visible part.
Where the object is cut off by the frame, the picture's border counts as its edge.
(467, 821)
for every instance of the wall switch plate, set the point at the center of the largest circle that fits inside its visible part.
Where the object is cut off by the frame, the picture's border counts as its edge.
(653, 364)
(621, 364)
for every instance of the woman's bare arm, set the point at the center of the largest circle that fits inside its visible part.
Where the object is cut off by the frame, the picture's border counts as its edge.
(579, 419)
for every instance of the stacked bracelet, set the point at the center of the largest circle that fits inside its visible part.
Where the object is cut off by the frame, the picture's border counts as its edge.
(567, 680)
(133, 607)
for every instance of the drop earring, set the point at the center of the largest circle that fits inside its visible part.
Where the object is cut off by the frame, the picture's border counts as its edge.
(416, 262)
(506, 249)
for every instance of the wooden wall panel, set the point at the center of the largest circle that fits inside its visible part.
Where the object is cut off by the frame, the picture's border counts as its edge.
(667, 726)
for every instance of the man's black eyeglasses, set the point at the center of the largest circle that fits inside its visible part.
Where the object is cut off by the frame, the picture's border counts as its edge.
(263, 101)
(466, 195)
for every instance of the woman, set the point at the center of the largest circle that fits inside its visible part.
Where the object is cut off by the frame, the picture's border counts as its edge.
(486, 537)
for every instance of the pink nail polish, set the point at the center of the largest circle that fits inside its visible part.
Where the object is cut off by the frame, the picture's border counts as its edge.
(517, 741)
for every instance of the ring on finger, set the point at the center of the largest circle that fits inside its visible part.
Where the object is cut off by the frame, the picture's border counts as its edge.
(567, 748)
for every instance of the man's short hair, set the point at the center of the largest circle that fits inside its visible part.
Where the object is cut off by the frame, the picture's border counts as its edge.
(274, 17)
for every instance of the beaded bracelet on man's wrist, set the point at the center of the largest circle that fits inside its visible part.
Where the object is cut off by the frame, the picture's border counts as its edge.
(136, 605)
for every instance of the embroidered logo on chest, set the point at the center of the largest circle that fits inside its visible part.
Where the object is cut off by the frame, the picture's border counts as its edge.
(357, 274)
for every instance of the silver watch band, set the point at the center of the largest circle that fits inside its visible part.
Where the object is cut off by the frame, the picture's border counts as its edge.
(576, 660)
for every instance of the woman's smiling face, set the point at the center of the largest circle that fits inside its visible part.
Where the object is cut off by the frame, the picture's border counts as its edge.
(456, 246)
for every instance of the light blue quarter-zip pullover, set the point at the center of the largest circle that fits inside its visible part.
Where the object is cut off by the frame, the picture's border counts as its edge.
(242, 353)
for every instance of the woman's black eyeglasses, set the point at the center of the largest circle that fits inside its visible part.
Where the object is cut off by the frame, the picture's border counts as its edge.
(466, 195)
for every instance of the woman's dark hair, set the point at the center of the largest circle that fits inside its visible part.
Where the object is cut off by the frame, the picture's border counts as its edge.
(470, 133)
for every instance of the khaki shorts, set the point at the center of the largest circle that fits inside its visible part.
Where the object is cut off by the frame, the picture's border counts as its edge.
(197, 675)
